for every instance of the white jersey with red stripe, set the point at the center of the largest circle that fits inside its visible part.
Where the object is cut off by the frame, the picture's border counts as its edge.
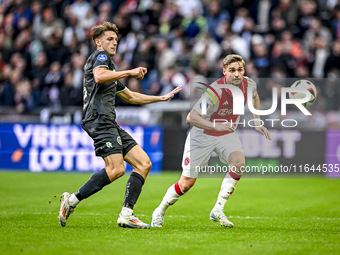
(215, 110)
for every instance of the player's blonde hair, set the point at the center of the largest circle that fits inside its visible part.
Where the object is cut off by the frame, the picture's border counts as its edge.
(98, 31)
(231, 58)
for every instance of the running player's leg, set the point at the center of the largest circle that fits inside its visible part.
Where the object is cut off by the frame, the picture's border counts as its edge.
(236, 161)
(113, 170)
(106, 142)
(172, 195)
(195, 155)
(230, 152)
(141, 164)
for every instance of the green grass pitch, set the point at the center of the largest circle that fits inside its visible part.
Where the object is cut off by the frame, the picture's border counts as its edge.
(271, 216)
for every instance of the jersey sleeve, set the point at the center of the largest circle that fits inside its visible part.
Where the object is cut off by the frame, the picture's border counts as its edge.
(252, 84)
(101, 60)
(204, 104)
(120, 87)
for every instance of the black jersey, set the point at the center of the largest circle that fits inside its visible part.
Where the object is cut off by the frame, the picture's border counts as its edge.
(99, 98)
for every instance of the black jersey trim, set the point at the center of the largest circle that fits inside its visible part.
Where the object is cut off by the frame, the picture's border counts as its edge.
(120, 90)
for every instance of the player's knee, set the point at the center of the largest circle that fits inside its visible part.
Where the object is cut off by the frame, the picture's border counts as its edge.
(115, 171)
(237, 166)
(145, 166)
(120, 172)
(186, 185)
(148, 165)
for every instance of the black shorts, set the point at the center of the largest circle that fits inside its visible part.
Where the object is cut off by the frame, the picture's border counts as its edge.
(108, 138)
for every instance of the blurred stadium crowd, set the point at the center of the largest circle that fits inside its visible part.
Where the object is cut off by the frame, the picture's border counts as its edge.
(44, 45)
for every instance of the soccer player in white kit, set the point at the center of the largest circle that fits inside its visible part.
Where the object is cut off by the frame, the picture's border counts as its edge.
(207, 135)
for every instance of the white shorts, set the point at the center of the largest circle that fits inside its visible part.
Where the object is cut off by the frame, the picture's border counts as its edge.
(199, 146)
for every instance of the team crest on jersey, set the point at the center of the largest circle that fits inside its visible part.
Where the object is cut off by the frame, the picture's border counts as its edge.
(119, 140)
(102, 57)
(187, 161)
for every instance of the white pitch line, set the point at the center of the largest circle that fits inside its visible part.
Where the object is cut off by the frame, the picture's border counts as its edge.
(280, 218)
(181, 216)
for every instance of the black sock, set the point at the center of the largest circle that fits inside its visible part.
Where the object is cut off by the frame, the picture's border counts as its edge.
(97, 181)
(133, 189)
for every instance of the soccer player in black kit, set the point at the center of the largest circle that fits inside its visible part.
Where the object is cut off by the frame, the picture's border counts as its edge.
(112, 143)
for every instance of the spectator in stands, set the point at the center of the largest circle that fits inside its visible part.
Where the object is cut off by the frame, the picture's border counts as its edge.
(321, 52)
(80, 9)
(5, 46)
(285, 53)
(207, 48)
(78, 63)
(20, 46)
(2, 66)
(9, 87)
(55, 51)
(316, 30)
(333, 60)
(69, 94)
(288, 11)
(215, 16)
(54, 76)
(39, 70)
(24, 100)
(73, 30)
(144, 52)
(331, 90)
(22, 15)
(52, 84)
(50, 25)
(307, 9)
(164, 52)
(193, 25)
(336, 22)
(187, 7)
(36, 9)
(260, 56)
(247, 31)
(278, 25)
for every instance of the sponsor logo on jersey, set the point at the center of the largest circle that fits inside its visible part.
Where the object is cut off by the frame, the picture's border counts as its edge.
(109, 145)
(225, 111)
(102, 57)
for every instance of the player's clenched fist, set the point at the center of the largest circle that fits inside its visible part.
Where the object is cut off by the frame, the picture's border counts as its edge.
(139, 72)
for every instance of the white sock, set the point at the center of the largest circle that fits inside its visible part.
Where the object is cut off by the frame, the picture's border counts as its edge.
(126, 211)
(171, 196)
(228, 186)
(73, 200)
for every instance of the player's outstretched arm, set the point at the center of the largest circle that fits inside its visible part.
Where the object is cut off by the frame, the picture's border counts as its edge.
(195, 119)
(103, 75)
(262, 130)
(138, 98)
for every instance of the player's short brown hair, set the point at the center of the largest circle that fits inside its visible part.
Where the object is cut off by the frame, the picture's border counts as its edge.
(231, 58)
(98, 31)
